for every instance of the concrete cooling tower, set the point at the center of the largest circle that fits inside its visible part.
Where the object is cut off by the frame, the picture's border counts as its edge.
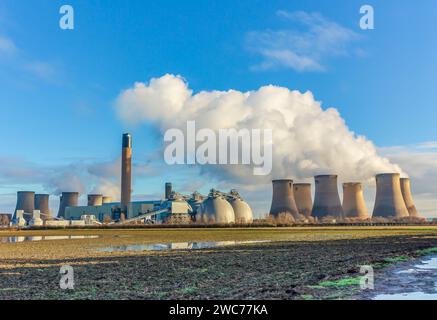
(68, 199)
(42, 204)
(304, 200)
(25, 202)
(126, 171)
(354, 205)
(283, 198)
(106, 199)
(95, 200)
(216, 209)
(408, 199)
(168, 190)
(389, 201)
(326, 199)
(242, 211)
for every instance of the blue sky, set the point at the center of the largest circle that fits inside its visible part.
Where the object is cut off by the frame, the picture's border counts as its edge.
(58, 87)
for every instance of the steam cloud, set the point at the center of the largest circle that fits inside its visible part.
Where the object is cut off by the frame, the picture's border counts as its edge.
(307, 140)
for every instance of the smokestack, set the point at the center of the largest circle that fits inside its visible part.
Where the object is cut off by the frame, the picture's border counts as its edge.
(168, 189)
(302, 195)
(107, 199)
(42, 203)
(68, 199)
(408, 199)
(126, 171)
(354, 205)
(95, 200)
(283, 198)
(25, 201)
(389, 201)
(326, 199)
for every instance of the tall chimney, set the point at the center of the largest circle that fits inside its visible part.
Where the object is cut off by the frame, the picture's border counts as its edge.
(354, 205)
(389, 201)
(408, 199)
(302, 195)
(283, 198)
(107, 199)
(326, 199)
(126, 171)
(95, 200)
(68, 199)
(42, 204)
(25, 201)
(168, 189)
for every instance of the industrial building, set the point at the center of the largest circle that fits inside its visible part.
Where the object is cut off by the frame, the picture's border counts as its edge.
(218, 207)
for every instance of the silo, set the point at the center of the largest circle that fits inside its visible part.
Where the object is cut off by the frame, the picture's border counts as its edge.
(168, 190)
(42, 204)
(106, 199)
(216, 209)
(195, 202)
(25, 201)
(354, 205)
(95, 200)
(283, 198)
(326, 199)
(302, 195)
(68, 199)
(242, 211)
(389, 201)
(126, 171)
(408, 199)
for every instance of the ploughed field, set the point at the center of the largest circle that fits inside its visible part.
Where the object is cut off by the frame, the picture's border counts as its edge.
(298, 263)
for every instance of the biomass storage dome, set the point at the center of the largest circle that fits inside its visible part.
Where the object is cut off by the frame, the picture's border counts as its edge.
(216, 209)
(242, 211)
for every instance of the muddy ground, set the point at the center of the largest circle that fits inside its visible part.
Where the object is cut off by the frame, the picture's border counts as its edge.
(294, 269)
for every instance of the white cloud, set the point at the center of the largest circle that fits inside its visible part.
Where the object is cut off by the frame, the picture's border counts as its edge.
(7, 45)
(300, 49)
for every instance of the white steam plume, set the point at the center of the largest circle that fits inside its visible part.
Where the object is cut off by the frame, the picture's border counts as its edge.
(307, 140)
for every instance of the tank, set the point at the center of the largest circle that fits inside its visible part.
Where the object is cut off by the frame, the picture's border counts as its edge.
(42, 204)
(389, 201)
(302, 195)
(67, 199)
(354, 205)
(195, 202)
(283, 198)
(95, 200)
(326, 199)
(242, 211)
(216, 209)
(408, 199)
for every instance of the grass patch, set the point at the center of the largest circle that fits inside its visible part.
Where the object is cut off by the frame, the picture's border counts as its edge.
(396, 259)
(307, 297)
(189, 290)
(340, 283)
(425, 252)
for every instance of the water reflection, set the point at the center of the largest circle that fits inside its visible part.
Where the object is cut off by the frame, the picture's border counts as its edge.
(41, 238)
(178, 246)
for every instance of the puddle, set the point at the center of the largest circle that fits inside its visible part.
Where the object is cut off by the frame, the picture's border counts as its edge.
(410, 280)
(41, 238)
(178, 246)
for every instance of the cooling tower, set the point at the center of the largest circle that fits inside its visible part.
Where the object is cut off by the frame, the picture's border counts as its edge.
(302, 195)
(354, 205)
(68, 199)
(107, 199)
(216, 209)
(126, 171)
(42, 204)
(95, 200)
(408, 199)
(389, 201)
(25, 201)
(326, 199)
(283, 198)
(242, 211)
(168, 190)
